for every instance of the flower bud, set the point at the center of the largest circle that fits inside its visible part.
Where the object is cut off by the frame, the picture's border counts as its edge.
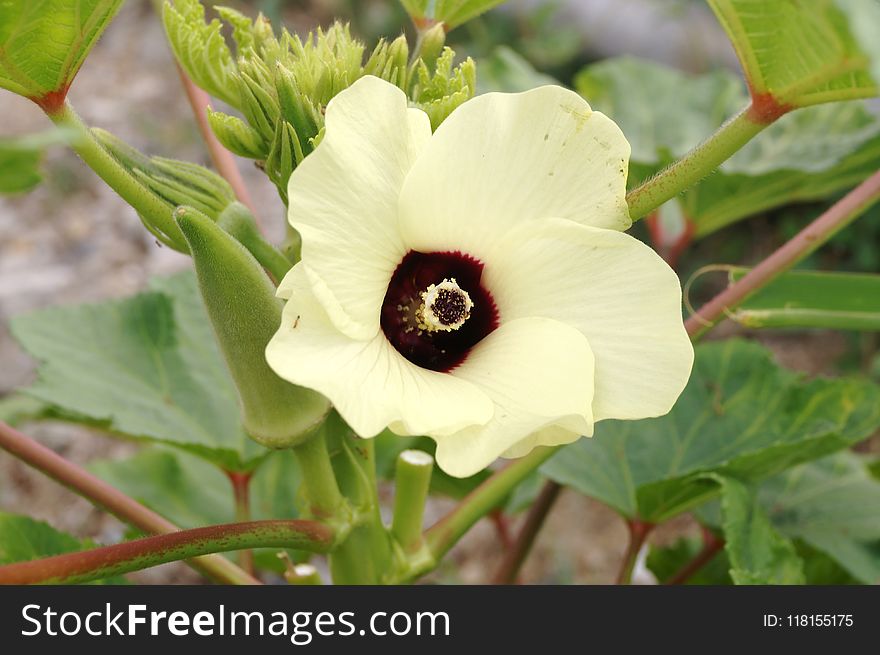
(432, 43)
(237, 136)
(285, 155)
(296, 108)
(259, 106)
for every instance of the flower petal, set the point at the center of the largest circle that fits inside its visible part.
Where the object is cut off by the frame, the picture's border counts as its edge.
(539, 373)
(614, 289)
(368, 381)
(501, 159)
(344, 200)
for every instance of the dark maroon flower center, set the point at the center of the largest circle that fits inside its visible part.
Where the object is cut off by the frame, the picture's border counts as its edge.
(472, 313)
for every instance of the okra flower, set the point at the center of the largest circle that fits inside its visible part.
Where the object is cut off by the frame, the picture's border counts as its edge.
(474, 285)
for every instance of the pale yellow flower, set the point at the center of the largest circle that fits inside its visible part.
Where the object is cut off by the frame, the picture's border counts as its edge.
(474, 285)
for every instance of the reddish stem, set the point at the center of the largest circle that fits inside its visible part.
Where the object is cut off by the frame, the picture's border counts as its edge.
(805, 242)
(669, 250)
(108, 561)
(114, 501)
(711, 545)
(223, 160)
(517, 553)
(638, 533)
(502, 527)
(241, 483)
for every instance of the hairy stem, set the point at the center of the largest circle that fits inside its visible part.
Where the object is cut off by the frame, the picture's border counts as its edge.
(155, 212)
(517, 554)
(638, 532)
(223, 160)
(324, 497)
(502, 527)
(364, 556)
(696, 164)
(838, 216)
(114, 501)
(447, 531)
(98, 563)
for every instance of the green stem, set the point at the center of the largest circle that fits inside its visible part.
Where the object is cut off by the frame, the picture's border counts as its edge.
(412, 479)
(155, 212)
(325, 499)
(364, 557)
(695, 165)
(140, 554)
(445, 533)
(101, 494)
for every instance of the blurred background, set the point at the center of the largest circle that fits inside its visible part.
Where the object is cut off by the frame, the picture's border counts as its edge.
(73, 240)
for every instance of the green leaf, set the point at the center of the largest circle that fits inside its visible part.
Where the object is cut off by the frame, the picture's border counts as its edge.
(415, 8)
(806, 155)
(863, 18)
(147, 367)
(798, 53)
(43, 43)
(21, 159)
(186, 490)
(507, 71)
(662, 111)
(457, 12)
(23, 539)
(844, 301)
(758, 553)
(819, 568)
(201, 49)
(191, 492)
(833, 505)
(741, 416)
(664, 562)
(451, 12)
(17, 408)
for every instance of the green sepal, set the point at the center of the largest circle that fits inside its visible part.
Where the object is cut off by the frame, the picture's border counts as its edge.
(237, 136)
(245, 315)
(286, 154)
(296, 108)
(259, 107)
(390, 62)
(439, 93)
(432, 43)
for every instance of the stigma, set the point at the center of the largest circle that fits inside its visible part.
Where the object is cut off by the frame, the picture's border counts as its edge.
(445, 307)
